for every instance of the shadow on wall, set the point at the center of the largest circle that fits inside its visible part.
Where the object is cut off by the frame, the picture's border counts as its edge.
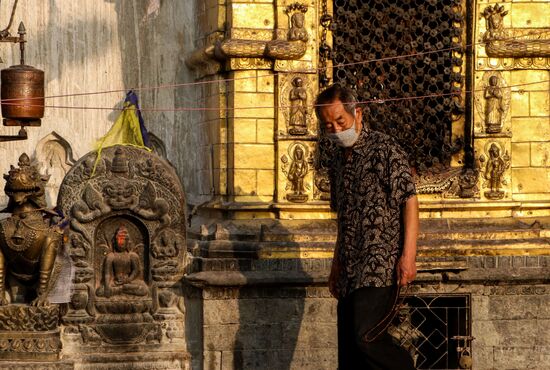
(59, 45)
(270, 314)
(154, 37)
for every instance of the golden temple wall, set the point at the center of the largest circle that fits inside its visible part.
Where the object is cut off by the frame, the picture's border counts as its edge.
(251, 141)
(264, 301)
(526, 105)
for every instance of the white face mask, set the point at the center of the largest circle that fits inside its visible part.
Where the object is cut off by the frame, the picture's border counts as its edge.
(345, 138)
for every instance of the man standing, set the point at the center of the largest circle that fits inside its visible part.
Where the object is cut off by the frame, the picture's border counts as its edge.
(373, 192)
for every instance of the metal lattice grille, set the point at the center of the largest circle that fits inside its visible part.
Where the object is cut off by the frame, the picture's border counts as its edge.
(426, 326)
(366, 30)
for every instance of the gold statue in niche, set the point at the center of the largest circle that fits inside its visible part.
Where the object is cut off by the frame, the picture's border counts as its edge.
(298, 108)
(493, 174)
(28, 240)
(122, 270)
(492, 102)
(494, 107)
(296, 170)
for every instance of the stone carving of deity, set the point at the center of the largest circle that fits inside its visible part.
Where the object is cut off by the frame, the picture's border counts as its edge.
(494, 172)
(297, 30)
(494, 108)
(298, 108)
(122, 269)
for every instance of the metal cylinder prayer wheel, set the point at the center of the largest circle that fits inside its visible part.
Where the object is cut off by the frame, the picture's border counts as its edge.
(22, 95)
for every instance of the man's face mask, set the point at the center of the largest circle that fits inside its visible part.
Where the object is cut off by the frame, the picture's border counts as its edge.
(345, 138)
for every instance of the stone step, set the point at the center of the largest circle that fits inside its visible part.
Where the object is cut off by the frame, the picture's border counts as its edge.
(226, 248)
(308, 265)
(324, 231)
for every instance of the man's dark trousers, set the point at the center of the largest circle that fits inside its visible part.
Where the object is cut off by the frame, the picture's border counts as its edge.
(358, 313)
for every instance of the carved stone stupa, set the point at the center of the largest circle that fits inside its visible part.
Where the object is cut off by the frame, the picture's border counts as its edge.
(127, 241)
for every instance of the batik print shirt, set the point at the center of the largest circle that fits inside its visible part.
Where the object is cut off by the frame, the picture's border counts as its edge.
(368, 189)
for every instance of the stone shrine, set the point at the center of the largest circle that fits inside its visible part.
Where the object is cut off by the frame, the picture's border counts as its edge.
(127, 242)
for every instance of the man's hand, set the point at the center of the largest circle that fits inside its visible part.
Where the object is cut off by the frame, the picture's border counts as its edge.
(333, 278)
(406, 270)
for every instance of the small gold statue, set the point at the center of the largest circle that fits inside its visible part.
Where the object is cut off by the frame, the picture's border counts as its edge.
(298, 108)
(28, 241)
(494, 107)
(494, 172)
(296, 170)
(122, 271)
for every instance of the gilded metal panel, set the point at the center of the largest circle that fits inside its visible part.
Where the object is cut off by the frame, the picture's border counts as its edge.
(295, 174)
(296, 115)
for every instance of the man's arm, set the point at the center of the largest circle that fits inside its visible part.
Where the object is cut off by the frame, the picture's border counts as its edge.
(406, 266)
(334, 273)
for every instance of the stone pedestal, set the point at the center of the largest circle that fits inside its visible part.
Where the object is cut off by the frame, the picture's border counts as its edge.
(32, 334)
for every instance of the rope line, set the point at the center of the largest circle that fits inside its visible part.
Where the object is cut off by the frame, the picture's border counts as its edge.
(225, 80)
(190, 109)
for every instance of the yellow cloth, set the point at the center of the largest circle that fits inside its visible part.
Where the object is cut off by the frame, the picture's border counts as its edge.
(125, 131)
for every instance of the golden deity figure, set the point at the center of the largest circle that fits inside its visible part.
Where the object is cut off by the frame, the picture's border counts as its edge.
(298, 108)
(122, 270)
(494, 171)
(493, 106)
(297, 171)
(29, 240)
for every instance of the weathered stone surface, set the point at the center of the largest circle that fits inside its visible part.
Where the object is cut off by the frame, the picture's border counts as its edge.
(518, 261)
(482, 357)
(311, 359)
(480, 307)
(490, 262)
(544, 312)
(505, 320)
(532, 261)
(279, 335)
(36, 365)
(509, 307)
(266, 311)
(505, 332)
(212, 360)
(521, 357)
(543, 339)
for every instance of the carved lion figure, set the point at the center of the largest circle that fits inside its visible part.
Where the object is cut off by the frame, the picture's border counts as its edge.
(28, 241)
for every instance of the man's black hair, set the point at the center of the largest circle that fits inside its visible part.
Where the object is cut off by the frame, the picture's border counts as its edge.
(336, 92)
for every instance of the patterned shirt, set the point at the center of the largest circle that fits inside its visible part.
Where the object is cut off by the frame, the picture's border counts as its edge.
(368, 188)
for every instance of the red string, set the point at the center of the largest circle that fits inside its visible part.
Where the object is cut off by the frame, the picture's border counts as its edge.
(184, 84)
(191, 109)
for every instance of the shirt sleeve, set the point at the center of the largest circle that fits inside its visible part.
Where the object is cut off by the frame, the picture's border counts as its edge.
(399, 172)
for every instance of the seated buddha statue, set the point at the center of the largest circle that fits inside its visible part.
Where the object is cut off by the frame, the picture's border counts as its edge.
(122, 270)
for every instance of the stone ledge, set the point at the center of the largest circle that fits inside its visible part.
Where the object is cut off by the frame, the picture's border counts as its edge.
(522, 275)
(36, 365)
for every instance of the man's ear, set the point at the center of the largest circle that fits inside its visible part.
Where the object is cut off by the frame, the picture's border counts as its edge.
(359, 114)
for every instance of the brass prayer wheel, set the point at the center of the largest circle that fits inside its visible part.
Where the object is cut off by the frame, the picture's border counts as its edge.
(22, 95)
